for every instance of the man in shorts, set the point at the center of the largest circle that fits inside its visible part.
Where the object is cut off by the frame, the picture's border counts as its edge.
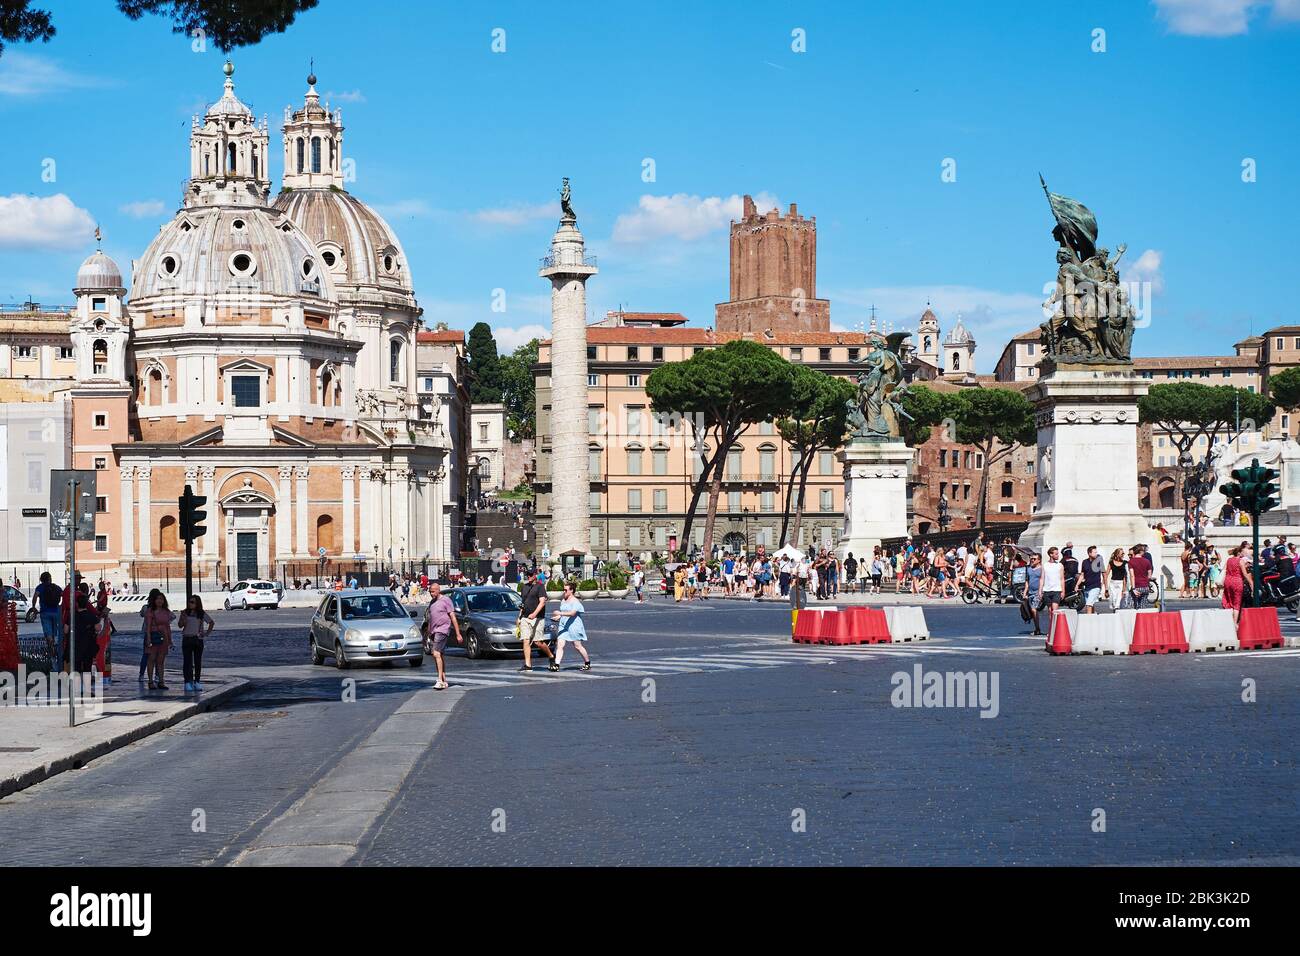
(638, 582)
(532, 618)
(441, 622)
(1051, 585)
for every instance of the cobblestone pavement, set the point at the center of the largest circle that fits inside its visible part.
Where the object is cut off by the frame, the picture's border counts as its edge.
(745, 735)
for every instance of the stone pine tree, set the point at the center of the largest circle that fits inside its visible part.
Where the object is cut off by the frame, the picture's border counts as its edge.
(817, 421)
(718, 393)
(1284, 388)
(484, 365)
(223, 23)
(925, 408)
(997, 421)
(1190, 410)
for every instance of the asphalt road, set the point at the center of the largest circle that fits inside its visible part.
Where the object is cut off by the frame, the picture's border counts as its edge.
(743, 749)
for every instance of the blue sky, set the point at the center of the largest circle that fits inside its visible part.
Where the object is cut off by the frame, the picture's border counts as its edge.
(462, 148)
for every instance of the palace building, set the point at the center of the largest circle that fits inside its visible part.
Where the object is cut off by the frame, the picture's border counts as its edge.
(267, 357)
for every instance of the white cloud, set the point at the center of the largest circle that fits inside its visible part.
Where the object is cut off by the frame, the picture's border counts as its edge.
(44, 222)
(1146, 268)
(22, 74)
(1221, 18)
(403, 208)
(145, 209)
(345, 96)
(509, 339)
(682, 216)
(518, 214)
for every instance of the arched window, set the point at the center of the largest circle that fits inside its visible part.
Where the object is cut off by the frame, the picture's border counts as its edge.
(927, 344)
(315, 154)
(254, 169)
(207, 164)
(332, 164)
(168, 539)
(956, 361)
(325, 533)
(100, 357)
(395, 360)
(155, 394)
(485, 469)
(230, 158)
(299, 154)
(329, 389)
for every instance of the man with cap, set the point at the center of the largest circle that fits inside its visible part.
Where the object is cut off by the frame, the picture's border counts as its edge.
(532, 618)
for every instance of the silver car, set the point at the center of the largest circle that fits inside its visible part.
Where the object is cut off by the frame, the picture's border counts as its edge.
(364, 626)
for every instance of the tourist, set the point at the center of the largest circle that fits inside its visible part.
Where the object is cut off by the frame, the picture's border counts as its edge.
(1051, 584)
(49, 598)
(158, 638)
(1185, 559)
(1034, 589)
(1235, 577)
(728, 574)
(851, 571)
(532, 615)
(1118, 578)
(679, 583)
(196, 627)
(877, 571)
(1141, 569)
(570, 628)
(1090, 578)
(1070, 569)
(1215, 560)
(440, 623)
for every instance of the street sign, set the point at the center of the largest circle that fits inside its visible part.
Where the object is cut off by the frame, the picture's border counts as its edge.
(321, 552)
(34, 512)
(63, 508)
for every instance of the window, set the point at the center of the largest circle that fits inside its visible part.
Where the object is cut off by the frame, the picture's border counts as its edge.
(633, 353)
(428, 385)
(823, 355)
(661, 537)
(591, 353)
(101, 543)
(101, 464)
(1006, 509)
(733, 464)
(594, 537)
(246, 390)
(1286, 421)
(1006, 468)
(1007, 489)
(100, 357)
(593, 421)
(767, 463)
(661, 499)
(1031, 348)
(634, 419)
(315, 154)
(826, 463)
(634, 536)
(634, 381)
(634, 461)
(979, 459)
(99, 304)
(767, 501)
(34, 473)
(733, 502)
(796, 355)
(231, 155)
(766, 428)
(593, 380)
(1279, 343)
(827, 499)
(482, 432)
(24, 351)
(660, 461)
(300, 152)
(593, 501)
(395, 360)
(657, 353)
(634, 499)
(943, 489)
(101, 504)
(853, 354)
(593, 463)
(65, 351)
(101, 420)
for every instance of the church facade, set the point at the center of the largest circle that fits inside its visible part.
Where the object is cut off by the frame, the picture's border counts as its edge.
(266, 357)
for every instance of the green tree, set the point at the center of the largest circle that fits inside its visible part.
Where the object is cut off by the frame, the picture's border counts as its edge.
(718, 393)
(1284, 388)
(996, 421)
(925, 408)
(484, 366)
(519, 391)
(1189, 410)
(226, 23)
(817, 422)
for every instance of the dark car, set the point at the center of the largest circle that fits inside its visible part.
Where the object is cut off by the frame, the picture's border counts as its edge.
(487, 615)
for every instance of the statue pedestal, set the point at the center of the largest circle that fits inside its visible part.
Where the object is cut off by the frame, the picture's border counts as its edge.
(1087, 421)
(875, 494)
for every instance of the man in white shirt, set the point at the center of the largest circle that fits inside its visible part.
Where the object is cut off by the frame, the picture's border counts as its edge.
(1051, 584)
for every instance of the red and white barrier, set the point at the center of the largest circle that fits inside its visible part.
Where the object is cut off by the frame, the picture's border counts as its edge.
(1210, 629)
(906, 623)
(859, 625)
(1147, 631)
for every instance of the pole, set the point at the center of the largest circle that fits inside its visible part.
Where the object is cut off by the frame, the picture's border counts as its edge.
(72, 602)
(1254, 577)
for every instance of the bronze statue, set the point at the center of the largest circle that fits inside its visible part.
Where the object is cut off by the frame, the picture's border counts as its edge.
(1091, 319)
(873, 415)
(566, 208)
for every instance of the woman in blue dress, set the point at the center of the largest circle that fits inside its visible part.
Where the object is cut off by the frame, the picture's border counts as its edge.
(569, 628)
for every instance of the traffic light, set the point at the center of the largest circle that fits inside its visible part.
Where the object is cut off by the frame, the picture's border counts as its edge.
(191, 517)
(1254, 490)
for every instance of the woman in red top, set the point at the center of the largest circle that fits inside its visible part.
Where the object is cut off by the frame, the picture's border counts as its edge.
(1234, 582)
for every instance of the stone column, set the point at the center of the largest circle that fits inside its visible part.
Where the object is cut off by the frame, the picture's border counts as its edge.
(127, 543)
(146, 531)
(568, 268)
(369, 521)
(875, 495)
(301, 503)
(431, 544)
(348, 475)
(401, 513)
(208, 474)
(283, 515)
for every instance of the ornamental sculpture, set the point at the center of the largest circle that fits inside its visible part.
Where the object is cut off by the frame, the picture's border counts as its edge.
(875, 409)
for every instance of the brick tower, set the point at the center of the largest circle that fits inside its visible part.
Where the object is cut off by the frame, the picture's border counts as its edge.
(773, 275)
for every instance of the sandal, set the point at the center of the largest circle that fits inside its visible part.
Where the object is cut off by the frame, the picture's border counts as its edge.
(553, 666)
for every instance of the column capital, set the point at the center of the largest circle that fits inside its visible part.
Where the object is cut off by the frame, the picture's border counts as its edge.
(127, 472)
(143, 471)
(208, 472)
(347, 472)
(191, 472)
(301, 472)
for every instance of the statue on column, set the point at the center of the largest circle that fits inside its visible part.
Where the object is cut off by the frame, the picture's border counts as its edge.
(1091, 318)
(566, 207)
(874, 411)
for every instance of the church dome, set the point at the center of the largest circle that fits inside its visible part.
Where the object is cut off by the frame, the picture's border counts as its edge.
(99, 273)
(232, 250)
(354, 242)
(229, 105)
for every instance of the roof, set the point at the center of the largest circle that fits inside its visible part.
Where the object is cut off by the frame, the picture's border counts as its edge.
(451, 336)
(656, 318)
(1196, 361)
(632, 335)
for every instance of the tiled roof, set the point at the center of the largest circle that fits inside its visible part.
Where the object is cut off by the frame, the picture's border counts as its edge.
(676, 318)
(449, 335)
(628, 335)
(1196, 361)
